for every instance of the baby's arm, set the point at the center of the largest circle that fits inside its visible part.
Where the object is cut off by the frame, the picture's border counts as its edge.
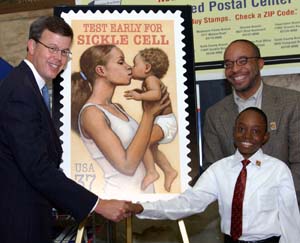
(152, 91)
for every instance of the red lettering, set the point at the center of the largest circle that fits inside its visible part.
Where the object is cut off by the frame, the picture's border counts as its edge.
(150, 40)
(102, 39)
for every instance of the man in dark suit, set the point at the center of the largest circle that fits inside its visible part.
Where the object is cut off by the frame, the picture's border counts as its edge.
(242, 63)
(30, 150)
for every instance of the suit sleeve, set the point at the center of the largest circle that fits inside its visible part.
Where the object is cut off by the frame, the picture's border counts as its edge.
(27, 138)
(294, 145)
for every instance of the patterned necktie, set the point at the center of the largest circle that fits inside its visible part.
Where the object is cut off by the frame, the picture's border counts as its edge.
(46, 96)
(237, 203)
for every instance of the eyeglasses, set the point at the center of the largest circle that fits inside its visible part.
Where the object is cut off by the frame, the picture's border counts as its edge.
(55, 50)
(240, 62)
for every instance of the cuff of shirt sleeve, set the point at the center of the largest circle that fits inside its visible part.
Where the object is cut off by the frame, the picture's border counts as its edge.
(93, 209)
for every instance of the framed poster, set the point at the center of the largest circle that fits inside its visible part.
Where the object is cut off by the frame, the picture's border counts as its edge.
(128, 30)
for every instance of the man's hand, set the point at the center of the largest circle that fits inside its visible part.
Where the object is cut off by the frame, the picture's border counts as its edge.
(135, 208)
(114, 210)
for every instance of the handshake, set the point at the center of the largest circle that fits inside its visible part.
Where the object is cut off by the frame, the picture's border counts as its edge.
(117, 210)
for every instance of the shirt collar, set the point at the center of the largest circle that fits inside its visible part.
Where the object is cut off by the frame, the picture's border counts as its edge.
(39, 80)
(257, 96)
(256, 159)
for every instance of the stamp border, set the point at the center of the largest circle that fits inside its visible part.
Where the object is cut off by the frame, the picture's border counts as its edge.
(188, 140)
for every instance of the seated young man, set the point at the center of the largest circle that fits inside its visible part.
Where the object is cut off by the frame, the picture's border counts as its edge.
(255, 192)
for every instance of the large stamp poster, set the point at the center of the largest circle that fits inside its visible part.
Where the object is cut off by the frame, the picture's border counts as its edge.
(130, 30)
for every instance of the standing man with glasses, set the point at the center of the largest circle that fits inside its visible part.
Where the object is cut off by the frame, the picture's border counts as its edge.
(243, 63)
(30, 150)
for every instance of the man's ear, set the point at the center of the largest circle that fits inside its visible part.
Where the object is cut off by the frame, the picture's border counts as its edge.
(261, 63)
(99, 69)
(266, 137)
(31, 45)
(233, 130)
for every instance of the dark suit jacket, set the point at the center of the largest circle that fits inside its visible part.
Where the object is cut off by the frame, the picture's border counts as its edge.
(282, 107)
(30, 154)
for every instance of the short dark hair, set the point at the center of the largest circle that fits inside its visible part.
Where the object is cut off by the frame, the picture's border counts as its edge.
(257, 110)
(52, 23)
(254, 46)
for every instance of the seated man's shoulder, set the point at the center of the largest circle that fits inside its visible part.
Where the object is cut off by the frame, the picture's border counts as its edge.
(221, 105)
(283, 91)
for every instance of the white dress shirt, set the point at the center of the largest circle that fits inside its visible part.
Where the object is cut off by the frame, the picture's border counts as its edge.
(39, 80)
(270, 205)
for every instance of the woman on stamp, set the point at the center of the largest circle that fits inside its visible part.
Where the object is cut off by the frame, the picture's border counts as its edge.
(112, 137)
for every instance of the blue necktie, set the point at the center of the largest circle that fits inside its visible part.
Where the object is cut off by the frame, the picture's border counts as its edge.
(46, 96)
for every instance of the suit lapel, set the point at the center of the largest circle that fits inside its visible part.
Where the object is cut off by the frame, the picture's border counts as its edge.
(227, 122)
(273, 109)
(271, 106)
(231, 112)
(54, 139)
(31, 80)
